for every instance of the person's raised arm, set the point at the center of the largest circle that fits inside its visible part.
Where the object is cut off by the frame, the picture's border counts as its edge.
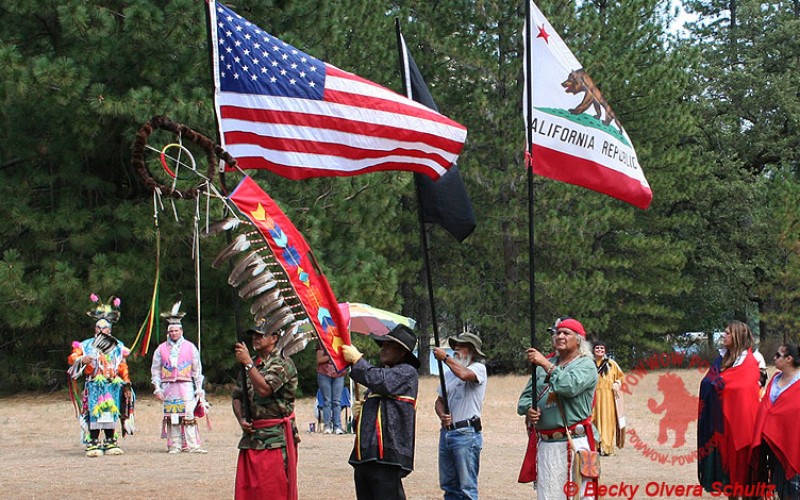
(459, 370)
(260, 385)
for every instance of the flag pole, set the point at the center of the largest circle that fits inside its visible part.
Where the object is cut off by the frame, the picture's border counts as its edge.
(422, 233)
(240, 334)
(529, 165)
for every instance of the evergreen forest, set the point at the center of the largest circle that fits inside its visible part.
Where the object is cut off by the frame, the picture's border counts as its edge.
(712, 107)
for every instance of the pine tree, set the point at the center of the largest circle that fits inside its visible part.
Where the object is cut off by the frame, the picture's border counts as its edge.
(749, 128)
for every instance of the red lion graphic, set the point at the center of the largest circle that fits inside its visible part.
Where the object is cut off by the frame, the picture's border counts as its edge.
(679, 408)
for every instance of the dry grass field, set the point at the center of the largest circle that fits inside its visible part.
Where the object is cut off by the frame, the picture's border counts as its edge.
(41, 457)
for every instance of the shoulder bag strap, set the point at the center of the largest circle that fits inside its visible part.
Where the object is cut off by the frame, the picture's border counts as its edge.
(564, 419)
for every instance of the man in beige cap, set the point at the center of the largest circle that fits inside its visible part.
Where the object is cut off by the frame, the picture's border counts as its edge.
(461, 439)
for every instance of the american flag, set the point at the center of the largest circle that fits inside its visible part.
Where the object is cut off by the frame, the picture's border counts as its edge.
(281, 109)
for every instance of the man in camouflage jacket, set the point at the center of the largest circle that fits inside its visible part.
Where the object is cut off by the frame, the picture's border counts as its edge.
(267, 465)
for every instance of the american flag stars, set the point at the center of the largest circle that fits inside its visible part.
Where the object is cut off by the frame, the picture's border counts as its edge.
(281, 109)
(253, 62)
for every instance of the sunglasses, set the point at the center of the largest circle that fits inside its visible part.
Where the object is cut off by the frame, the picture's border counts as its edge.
(779, 355)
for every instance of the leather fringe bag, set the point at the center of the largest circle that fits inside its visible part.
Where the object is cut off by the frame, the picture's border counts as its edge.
(587, 462)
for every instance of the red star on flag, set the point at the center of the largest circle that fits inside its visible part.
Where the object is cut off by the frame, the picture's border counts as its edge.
(543, 34)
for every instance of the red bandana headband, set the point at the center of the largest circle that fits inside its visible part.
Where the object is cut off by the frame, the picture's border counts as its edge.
(574, 325)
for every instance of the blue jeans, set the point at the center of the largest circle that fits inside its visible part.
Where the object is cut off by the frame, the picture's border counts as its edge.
(331, 400)
(459, 463)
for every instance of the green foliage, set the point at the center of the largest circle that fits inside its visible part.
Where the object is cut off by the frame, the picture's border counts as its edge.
(714, 119)
(749, 121)
(778, 290)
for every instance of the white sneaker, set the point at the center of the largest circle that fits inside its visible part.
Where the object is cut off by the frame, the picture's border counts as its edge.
(327, 430)
(173, 451)
(338, 431)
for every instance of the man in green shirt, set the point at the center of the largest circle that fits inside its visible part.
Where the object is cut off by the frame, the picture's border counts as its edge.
(566, 379)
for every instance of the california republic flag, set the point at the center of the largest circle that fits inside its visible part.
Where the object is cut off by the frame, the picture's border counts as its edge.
(573, 132)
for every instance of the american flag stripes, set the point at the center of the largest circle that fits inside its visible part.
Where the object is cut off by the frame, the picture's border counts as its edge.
(283, 110)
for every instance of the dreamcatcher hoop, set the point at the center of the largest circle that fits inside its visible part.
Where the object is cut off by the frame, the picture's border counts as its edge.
(286, 292)
(213, 153)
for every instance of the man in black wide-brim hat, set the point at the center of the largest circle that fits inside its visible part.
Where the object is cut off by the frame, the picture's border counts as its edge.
(383, 453)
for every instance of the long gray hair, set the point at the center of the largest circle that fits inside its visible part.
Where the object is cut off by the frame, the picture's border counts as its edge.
(584, 346)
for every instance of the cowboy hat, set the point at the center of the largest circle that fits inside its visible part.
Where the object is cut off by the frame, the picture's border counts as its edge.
(404, 336)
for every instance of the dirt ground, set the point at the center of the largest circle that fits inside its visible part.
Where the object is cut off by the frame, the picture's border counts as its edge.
(42, 458)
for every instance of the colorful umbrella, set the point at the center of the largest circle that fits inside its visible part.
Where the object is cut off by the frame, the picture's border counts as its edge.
(366, 319)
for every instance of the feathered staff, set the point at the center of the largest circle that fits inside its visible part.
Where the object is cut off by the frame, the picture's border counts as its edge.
(276, 272)
(281, 275)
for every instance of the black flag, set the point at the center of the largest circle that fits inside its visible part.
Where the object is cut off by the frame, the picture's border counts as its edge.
(445, 201)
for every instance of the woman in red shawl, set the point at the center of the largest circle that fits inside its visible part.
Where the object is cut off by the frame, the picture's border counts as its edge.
(728, 406)
(776, 448)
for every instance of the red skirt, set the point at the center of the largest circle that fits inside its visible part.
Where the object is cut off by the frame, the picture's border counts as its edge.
(261, 474)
